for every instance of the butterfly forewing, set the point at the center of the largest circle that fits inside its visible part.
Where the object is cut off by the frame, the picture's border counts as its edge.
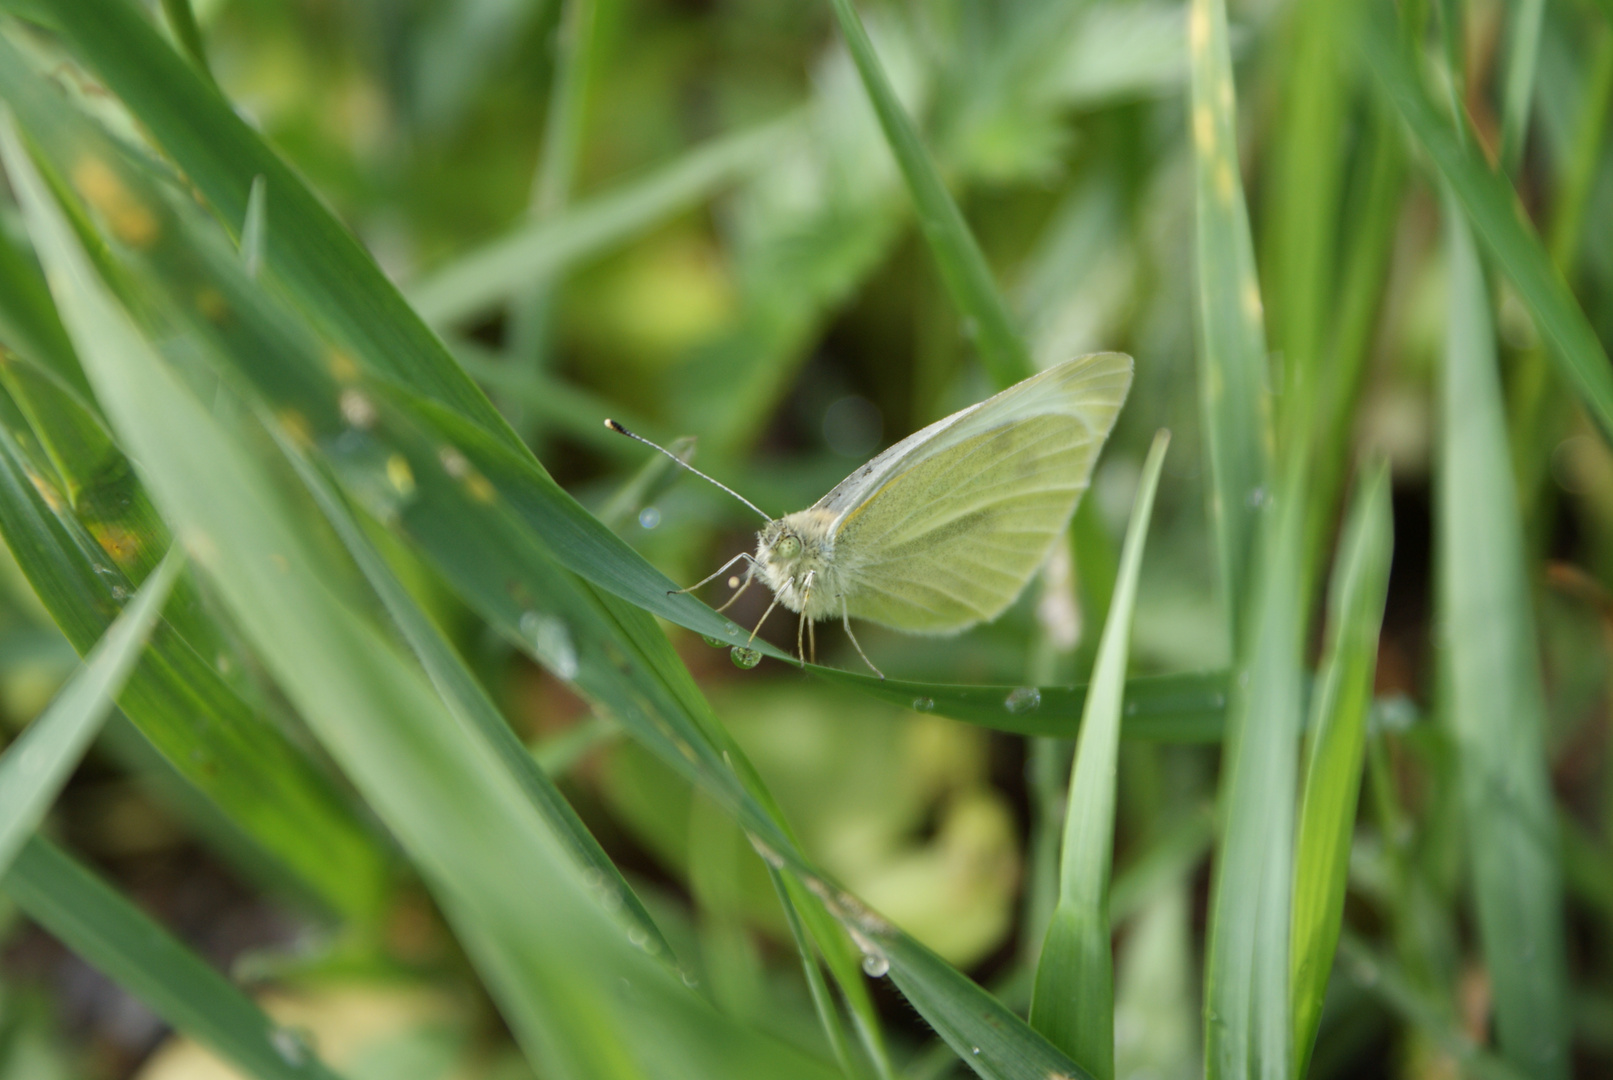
(945, 529)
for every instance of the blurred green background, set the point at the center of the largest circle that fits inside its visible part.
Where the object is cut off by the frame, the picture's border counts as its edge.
(685, 214)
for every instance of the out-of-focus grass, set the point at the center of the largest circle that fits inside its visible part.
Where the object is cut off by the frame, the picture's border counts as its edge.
(792, 234)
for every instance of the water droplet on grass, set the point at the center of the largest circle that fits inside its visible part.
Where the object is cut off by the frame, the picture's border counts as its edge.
(715, 643)
(551, 642)
(649, 517)
(1022, 700)
(291, 1047)
(923, 704)
(744, 657)
(875, 965)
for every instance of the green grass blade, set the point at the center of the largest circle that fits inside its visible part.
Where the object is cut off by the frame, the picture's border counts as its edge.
(1160, 708)
(188, 711)
(491, 859)
(496, 271)
(1234, 398)
(1496, 704)
(1340, 705)
(182, 23)
(656, 701)
(1073, 1004)
(1518, 93)
(28, 322)
(307, 251)
(822, 1001)
(1248, 1030)
(470, 705)
(118, 939)
(1492, 210)
(962, 264)
(35, 766)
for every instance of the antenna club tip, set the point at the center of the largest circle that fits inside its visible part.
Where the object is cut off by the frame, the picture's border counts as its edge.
(614, 426)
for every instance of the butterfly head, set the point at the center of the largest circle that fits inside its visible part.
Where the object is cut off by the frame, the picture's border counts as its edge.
(790, 549)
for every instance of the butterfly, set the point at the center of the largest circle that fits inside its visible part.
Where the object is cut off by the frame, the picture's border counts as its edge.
(944, 529)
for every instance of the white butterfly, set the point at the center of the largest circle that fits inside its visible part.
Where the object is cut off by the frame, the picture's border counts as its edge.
(944, 529)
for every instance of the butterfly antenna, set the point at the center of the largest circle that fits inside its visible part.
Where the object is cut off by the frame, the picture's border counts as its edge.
(620, 430)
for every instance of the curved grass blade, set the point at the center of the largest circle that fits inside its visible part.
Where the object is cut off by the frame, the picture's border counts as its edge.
(1160, 708)
(307, 251)
(1332, 783)
(1497, 705)
(470, 705)
(1492, 209)
(495, 272)
(118, 939)
(35, 766)
(490, 857)
(1073, 1003)
(623, 660)
(1234, 398)
(962, 264)
(192, 715)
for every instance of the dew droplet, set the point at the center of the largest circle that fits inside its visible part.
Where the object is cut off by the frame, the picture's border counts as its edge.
(715, 643)
(974, 1050)
(290, 1046)
(649, 517)
(923, 704)
(745, 657)
(358, 410)
(1022, 700)
(637, 937)
(1257, 497)
(551, 643)
(875, 965)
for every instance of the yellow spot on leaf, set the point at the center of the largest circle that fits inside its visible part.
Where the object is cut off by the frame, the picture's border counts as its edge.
(1198, 26)
(399, 474)
(295, 425)
(212, 305)
(342, 366)
(120, 543)
(48, 492)
(1251, 301)
(130, 220)
(479, 488)
(1203, 130)
(1224, 186)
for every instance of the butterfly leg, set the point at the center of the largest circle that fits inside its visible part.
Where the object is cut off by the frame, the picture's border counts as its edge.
(720, 571)
(845, 619)
(802, 623)
(812, 641)
(750, 576)
(760, 621)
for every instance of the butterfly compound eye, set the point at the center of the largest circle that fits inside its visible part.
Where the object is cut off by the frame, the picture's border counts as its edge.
(788, 547)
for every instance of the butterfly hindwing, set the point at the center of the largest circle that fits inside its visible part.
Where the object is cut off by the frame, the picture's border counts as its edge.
(962, 517)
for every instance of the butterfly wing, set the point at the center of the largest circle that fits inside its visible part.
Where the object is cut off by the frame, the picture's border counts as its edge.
(944, 529)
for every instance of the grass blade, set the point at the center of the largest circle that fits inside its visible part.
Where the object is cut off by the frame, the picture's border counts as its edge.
(1163, 708)
(188, 711)
(471, 706)
(962, 264)
(1518, 95)
(1073, 1004)
(493, 273)
(34, 768)
(1492, 210)
(492, 860)
(1234, 398)
(307, 251)
(118, 939)
(1246, 995)
(1496, 704)
(1332, 783)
